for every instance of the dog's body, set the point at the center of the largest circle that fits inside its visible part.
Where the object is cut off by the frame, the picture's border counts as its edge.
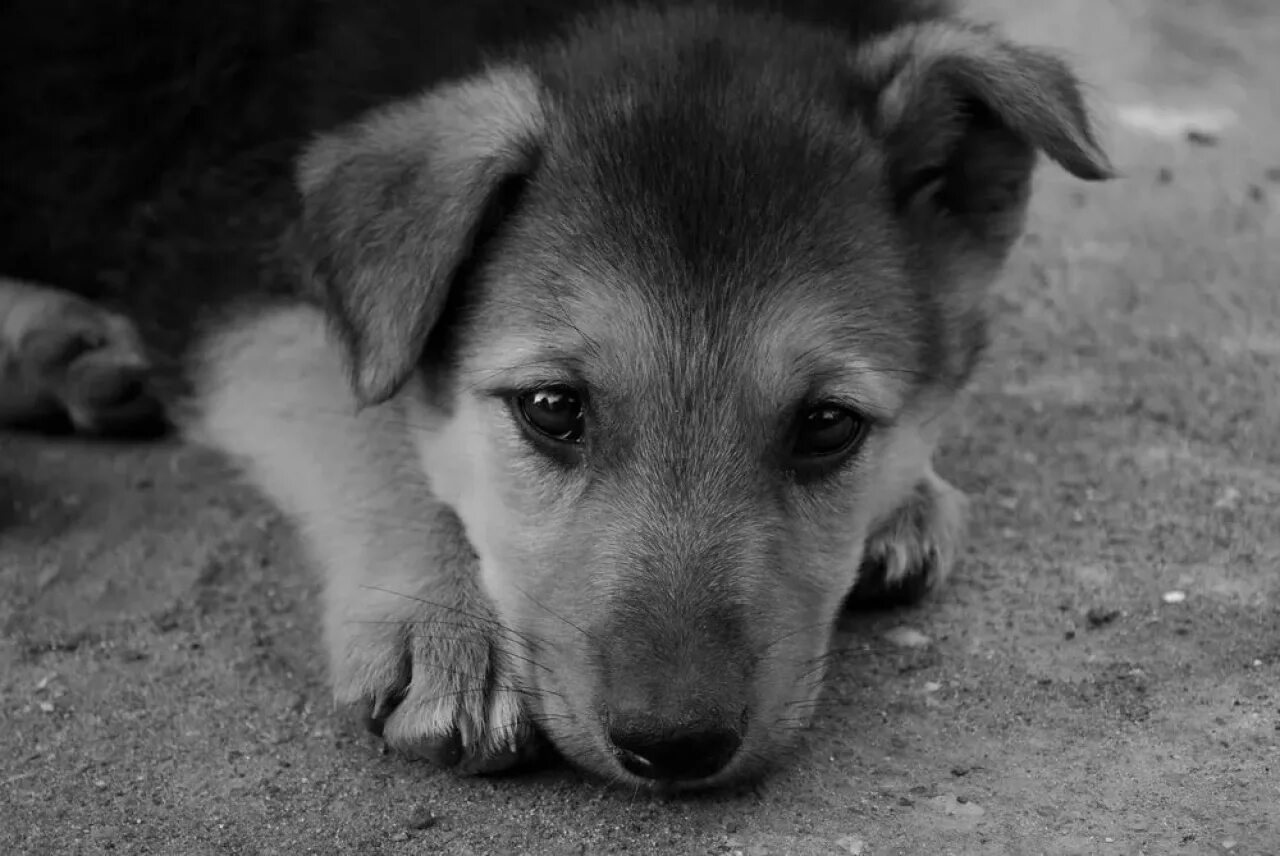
(646, 320)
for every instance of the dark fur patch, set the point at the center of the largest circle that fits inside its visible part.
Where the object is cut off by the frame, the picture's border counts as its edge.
(176, 214)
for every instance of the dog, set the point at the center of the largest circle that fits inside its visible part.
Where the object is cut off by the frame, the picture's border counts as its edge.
(598, 350)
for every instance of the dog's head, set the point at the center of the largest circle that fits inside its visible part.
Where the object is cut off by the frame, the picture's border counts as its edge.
(678, 304)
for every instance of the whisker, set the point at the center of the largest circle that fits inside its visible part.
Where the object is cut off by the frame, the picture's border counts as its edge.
(484, 619)
(804, 702)
(538, 718)
(773, 643)
(552, 612)
(511, 654)
(412, 622)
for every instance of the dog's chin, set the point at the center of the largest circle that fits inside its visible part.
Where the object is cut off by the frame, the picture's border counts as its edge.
(580, 740)
(741, 773)
(589, 753)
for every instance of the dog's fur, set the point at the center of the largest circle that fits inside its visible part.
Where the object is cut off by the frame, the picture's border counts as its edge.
(708, 219)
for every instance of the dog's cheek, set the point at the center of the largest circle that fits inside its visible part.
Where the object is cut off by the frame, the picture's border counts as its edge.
(516, 508)
(828, 526)
(457, 452)
(507, 499)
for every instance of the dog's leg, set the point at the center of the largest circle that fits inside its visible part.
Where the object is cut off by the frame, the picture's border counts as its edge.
(64, 358)
(414, 645)
(914, 549)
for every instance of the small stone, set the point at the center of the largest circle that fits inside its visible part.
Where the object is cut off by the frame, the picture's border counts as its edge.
(105, 836)
(949, 805)
(907, 637)
(1174, 596)
(1100, 617)
(422, 818)
(1229, 844)
(99, 784)
(932, 686)
(46, 706)
(400, 836)
(851, 845)
(1257, 664)
(1229, 499)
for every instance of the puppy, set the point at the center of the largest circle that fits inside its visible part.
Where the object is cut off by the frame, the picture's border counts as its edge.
(619, 343)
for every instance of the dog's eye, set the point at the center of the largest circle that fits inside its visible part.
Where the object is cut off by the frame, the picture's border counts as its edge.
(553, 411)
(827, 430)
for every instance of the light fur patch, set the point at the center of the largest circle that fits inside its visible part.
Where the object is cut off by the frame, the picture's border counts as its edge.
(273, 395)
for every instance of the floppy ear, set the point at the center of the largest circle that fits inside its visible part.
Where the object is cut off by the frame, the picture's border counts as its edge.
(393, 205)
(963, 113)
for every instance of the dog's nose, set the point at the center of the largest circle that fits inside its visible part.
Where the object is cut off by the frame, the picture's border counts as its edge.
(652, 749)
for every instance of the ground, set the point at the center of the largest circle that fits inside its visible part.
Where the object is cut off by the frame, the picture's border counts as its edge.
(162, 691)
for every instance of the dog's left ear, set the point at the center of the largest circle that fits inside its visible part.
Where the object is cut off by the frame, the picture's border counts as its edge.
(393, 206)
(962, 114)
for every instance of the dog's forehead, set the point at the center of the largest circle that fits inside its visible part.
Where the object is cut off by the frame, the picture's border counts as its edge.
(714, 262)
(710, 217)
(751, 332)
(702, 163)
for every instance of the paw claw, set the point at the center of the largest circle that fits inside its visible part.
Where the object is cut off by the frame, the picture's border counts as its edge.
(444, 751)
(423, 699)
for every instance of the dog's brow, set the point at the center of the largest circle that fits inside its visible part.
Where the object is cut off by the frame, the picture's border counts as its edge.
(879, 391)
(522, 367)
(832, 366)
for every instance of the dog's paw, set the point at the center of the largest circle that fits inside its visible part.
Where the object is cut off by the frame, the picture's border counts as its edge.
(914, 550)
(66, 359)
(437, 685)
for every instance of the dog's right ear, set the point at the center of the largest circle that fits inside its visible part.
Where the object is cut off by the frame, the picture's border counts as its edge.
(392, 206)
(963, 113)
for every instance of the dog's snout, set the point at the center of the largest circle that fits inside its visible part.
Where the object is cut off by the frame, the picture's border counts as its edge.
(653, 749)
(676, 680)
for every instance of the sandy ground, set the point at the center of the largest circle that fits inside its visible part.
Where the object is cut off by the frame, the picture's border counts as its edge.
(161, 689)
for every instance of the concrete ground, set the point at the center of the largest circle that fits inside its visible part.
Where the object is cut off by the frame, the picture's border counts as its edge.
(161, 689)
